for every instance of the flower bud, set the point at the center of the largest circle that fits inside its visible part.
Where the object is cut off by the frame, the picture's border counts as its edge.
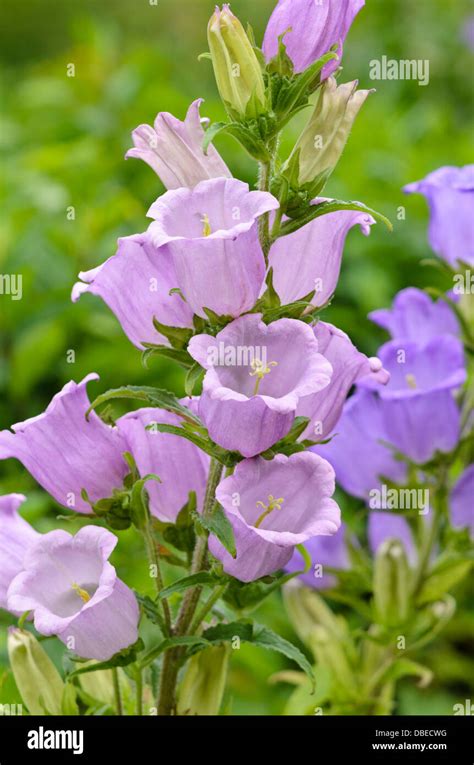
(322, 141)
(391, 584)
(204, 682)
(39, 682)
(236, 67)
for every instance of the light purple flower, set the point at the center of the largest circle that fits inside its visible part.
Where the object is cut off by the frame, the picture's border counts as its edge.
(315, 28)
(274, 505)
(135, 283)
(16, 536)
(388, 525)
(415, 316)
(173, 149)
(324, 551)
(420, 412)
(462, 501)
(310, 258)
(180, 465)
(450, 195)
(348, 366)
(358, 450)
(212, 233)
(74, 593)
(256, 376)
(65, 452)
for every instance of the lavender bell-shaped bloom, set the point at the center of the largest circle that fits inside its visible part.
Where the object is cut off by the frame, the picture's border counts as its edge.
(324, 551)
(388, 525)
(315, 28)
(173, 149)
(74, 593)
(462, 501)
(421, 414)
(310, 259)
(348, 366)
(135, 283)
(180, 465)
(358, 450)
(16, 537)
(256, 376)
(450, 195)
(415, 316)
(65, 452)
(212, 233)
(274, 505)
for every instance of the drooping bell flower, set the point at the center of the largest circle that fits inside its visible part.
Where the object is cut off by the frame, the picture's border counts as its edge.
(415, 316)
(75, 594)
(450, 195)
(40, 685)
(211, 232)
(256, 376)
(320, 145)
(461, 501)
(65, 452)
(348, 366)
(324, 551)
(16, 537)
(173, 149)
(359, 451)
(180, 465)
(236, 67)
(315, 26)
(136, 283)
(310, 259)
(420, 412)
(274, 505)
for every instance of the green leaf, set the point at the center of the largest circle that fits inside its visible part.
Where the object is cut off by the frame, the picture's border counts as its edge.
(213, 130)
(179, 337)
(172, 642)
(151, 609)
(162, 399)
(245, 596)
(193, 378)
(218, 524)
(407, 668)
(324, 208)
(443, 578)
(266, 638)
(288, 445)
(121, 659)
(229, 459)
(294, 92)
(181, 357)
(193, 580)
(181, 534)
(225, 632)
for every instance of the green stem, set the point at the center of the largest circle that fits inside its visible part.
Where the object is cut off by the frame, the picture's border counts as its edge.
(439, 507)
(117, 695)
(169, 673)
(206, 607)
(139, 690)
(155, 561)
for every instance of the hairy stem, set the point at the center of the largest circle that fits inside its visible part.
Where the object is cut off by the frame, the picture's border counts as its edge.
(139, 690)
(155, 561)
(117, 694)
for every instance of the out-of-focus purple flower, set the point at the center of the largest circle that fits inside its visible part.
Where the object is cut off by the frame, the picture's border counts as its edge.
(415, 316)
(450, 195)
(468, 32)
(274, 505)
(462, 501)
(212, 233)
(420, 412)
(179, 464)
(16, 537)
(135, 283)
(256, 376)
(310, 258)
(65, 452)
(357, 450)
(315, 28)
(384, 526)
(324, 551)
(348, 366)
(173, 149)
(74, 593)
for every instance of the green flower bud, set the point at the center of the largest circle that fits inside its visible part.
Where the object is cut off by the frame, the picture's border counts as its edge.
(306, 609)
(330, 653)
(39, 682)
(322, 141)
(391, 584)
(236, 67)
(204, 682)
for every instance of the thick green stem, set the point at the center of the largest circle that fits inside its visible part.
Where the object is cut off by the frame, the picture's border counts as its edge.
(169, 672)
(117, 694)
(139, 690)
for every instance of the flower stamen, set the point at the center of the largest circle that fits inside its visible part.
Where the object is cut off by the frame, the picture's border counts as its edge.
(411, 381)
(206, 226)
(83, 594)
(260, 369)
(273, 504)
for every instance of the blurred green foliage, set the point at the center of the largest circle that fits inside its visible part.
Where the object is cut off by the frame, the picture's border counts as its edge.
(63, 140)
